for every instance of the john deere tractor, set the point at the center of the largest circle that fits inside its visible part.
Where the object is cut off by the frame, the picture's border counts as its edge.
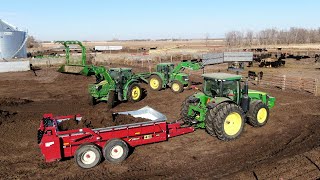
(168, 75)
(115, 84)
(224, 105)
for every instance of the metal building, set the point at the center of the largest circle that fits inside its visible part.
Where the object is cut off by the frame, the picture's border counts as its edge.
(12, 41)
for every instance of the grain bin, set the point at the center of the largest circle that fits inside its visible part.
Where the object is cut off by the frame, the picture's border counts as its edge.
(12, 41)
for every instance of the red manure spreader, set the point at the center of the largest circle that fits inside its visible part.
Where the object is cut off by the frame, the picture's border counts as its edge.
(88, 145)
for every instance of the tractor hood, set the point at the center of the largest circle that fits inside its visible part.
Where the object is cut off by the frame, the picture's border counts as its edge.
(256, 92)
(264, 97)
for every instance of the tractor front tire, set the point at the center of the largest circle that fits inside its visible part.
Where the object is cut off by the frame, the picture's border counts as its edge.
(258, 114)
(92, 100)
(176, 86)
(88, 156)
(116, 151)
(155, 83)
(228, 121)
(111, 99)
(134, 92)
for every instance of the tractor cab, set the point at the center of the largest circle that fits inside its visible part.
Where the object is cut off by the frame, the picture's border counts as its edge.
(222, 85)
(121, 75)
(165, 68)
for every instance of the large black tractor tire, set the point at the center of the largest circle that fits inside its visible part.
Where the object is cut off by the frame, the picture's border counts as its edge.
(155, 83)
(88, 156)
(111, 99)
(211, 113)
(258, 114)
(116, 151)
(134, 92)
(92, 100)
(185, 107)
(227, 121)
(176, 87)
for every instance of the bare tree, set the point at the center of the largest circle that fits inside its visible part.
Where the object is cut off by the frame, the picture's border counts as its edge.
(273, 36)
(32, 42)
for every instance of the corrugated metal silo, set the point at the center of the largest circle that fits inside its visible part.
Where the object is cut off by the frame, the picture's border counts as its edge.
(12, 41)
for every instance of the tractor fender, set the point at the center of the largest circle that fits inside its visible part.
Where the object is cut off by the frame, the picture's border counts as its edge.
(126, 88)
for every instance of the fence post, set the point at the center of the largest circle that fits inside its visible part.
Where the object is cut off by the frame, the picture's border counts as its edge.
(316, 87)
(171, 58)
(284, 83)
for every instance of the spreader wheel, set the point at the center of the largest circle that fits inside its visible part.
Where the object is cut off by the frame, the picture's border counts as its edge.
(228, 122)
(88, 156)
(115, 151)
(258, 114)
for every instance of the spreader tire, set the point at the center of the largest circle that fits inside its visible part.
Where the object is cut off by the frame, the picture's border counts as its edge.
(88, 156)
(228, 123)
(155, 83)
(176, 87)
(258, 114)
(134, 92)
(115, 151)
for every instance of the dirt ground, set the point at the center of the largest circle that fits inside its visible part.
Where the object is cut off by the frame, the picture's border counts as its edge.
(287, 147)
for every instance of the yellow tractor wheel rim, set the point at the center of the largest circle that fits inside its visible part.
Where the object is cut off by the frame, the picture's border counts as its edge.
(135, 93)
(154, 83)
(175, 87)
(262, 115)
(232, 124)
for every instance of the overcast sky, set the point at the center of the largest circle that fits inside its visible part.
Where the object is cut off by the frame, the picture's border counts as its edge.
(154, 19)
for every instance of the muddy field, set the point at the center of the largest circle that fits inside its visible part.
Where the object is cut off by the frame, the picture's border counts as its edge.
(287, 147)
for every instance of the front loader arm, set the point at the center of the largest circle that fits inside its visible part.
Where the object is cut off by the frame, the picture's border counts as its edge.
(101, 71)
(189, 65)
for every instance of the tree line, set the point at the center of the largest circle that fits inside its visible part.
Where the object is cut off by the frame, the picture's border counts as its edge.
(272, 36)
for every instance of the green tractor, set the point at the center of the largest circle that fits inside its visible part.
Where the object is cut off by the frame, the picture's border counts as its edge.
(168, 75)
(223, 106)
(115, 84)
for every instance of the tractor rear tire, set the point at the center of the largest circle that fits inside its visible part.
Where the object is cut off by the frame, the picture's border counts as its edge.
(134, 92)
(115, 151)
(185, 107)
(88, 156)
(211, 114)
(111, 99)
(176, 86)
(228, 121)
(155, 83)
(258, 114)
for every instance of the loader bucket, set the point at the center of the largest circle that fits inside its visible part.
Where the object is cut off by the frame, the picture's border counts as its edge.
(147, 113)
(75, 69)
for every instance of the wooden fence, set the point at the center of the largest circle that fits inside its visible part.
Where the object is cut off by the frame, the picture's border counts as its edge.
(289, 82)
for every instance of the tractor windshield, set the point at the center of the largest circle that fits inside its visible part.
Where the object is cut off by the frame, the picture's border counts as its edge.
(212, 87)
(221, 88)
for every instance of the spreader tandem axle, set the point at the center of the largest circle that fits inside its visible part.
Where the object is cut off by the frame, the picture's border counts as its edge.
(89, 145)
